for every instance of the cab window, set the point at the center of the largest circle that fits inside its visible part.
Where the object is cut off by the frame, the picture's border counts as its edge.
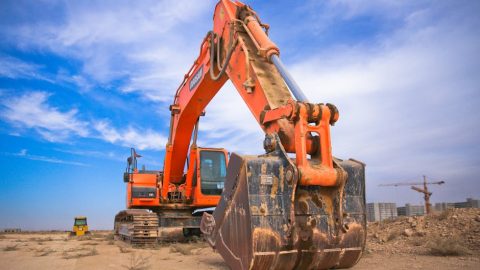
(80, 222)
(213, 171)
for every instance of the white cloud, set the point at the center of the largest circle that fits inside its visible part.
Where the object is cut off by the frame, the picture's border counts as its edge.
(123, 23)
(384, 8)
(405, 81)
(82, 83)
(141, 43)
(14, 68)
(24, 154)
(147, 159)
(131, 137)
(31, 110)
(406, 99)
(228, 123)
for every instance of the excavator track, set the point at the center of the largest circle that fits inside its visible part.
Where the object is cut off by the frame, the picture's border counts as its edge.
(137, 227)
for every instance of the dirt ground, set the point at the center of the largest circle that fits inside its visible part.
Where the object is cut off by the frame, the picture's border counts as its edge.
(57, 251)
(405, 243)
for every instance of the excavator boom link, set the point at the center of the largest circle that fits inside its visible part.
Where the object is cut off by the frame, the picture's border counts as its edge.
(264, 220)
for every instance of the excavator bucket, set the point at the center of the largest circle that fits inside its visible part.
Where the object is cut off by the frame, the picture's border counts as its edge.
(264, 220)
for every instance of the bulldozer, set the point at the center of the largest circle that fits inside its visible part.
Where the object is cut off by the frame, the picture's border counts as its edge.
(80, 226)
(294, 207)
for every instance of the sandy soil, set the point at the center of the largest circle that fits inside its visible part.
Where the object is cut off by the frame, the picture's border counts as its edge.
(58, 251)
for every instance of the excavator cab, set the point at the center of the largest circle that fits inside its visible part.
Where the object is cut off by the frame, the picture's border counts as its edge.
(213, 170)
(202, 186)
(210, 172)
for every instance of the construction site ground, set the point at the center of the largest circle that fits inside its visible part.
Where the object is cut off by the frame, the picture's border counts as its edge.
(450, 240)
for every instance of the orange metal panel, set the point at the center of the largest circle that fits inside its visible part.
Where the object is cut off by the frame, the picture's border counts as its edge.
(142, 180)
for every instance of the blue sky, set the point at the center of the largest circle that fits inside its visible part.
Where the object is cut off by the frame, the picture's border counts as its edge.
(82, 81)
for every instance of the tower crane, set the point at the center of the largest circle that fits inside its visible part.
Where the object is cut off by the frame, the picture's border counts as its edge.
(426, 194)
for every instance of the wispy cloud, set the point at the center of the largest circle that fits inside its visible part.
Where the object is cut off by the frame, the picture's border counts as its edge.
(24, 154)
(229, 124)
(130, 137)
(405, 80)
(393, 95)
(13, 68)
(31, 110)
(139, 43)
(92, 153)
(152, 161)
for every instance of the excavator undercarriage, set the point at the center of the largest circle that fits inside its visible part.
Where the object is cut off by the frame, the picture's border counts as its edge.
(143, 227)
(137, 227)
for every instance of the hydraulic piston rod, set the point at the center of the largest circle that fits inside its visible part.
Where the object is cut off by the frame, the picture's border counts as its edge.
(292, 85)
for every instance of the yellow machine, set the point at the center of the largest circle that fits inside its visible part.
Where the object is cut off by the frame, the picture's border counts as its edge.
(80, 226)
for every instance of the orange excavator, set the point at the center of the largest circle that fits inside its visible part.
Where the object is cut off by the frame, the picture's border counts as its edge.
(294, 207)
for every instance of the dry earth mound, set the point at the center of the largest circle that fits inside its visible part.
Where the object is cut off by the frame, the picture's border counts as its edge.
(454, 232)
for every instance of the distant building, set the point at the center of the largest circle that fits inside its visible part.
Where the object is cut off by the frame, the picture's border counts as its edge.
(381, 211)
(414, 210)
(440, 207)
(473, 203)
(12, 230)
(469, 203)
(460, 205)
(411, 210)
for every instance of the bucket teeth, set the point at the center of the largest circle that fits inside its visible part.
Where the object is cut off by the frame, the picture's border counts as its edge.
(264, 221)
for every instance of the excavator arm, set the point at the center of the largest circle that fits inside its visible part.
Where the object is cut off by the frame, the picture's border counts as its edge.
(275, 212)
(238, 49)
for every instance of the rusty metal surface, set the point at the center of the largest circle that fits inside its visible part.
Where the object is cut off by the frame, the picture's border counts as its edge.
(265, 221)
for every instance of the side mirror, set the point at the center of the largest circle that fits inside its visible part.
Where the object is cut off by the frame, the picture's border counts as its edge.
(126, 177)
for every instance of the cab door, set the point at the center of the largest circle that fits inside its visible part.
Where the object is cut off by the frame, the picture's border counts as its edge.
(210, 175)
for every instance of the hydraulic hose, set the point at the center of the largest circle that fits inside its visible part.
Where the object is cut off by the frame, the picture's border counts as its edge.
(212, 57)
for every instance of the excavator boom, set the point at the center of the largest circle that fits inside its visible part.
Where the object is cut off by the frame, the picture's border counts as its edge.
(275, 212)
(238, 49)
